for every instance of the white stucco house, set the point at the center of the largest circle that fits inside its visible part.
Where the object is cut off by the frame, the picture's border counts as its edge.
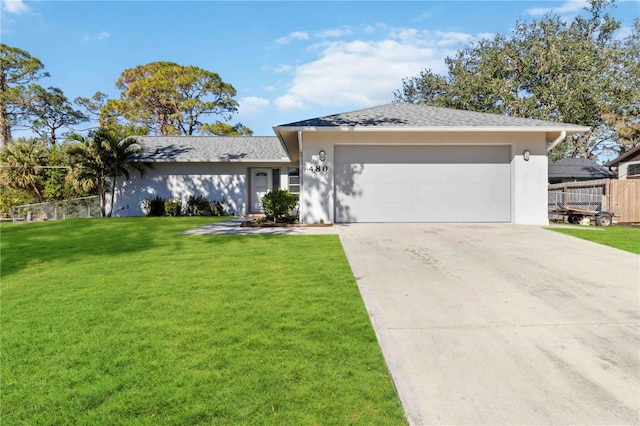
(392, 163)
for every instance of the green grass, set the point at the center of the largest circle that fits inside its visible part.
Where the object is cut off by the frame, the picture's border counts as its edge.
(621, 237)
(125, 321)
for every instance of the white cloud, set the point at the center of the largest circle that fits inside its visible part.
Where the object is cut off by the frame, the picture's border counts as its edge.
(102, 35)
(15, 7)
(288, 102)
(282, 68)
(296, 35)
(367, 72)
(334, 32)
(252, 105)
(569, 7)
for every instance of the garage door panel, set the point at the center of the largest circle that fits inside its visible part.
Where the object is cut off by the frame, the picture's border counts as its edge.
(433, 154)
(418, 173)
(435, 190)
(417, 212)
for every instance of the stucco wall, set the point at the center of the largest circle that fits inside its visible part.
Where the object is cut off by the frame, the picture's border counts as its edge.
(215, 181)
(528, 179)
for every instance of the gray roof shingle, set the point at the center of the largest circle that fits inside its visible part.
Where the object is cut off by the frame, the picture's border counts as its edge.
(205, 149)
(399, 114)
(578, 168)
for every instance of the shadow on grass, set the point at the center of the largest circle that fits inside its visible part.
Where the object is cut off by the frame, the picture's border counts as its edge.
(75, 240)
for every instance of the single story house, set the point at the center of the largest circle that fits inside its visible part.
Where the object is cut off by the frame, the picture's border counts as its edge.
(577, 169)
(392, 163)
(628, 164)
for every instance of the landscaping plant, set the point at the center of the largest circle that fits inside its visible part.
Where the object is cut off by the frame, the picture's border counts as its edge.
(154, 206)
(279, 203)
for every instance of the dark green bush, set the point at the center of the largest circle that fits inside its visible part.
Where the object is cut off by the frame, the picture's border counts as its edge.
(154, 206)
(173, 208)
(195, 206)
(218, 208)
(279, 203)
(198, 206)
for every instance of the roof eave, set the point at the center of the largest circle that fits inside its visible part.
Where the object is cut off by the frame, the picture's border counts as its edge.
(240, 160)
(622, 158)
(527, 129)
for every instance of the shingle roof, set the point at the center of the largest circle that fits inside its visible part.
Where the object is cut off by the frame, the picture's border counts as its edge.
(627, 156)
(400, 114)
(206, 149)
(578, 168)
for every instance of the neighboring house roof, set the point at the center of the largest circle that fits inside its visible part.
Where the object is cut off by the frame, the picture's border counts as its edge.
(207, 149)
(578, 169)
(405, 115)
(631, 155)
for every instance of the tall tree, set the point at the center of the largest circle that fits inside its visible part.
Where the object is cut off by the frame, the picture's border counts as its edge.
(93, 106)
(169, 98)
(98, 162)
(49, 110)
(223, 129)
(18, 69)
(626, 120)
(22, 166)
(548, 69)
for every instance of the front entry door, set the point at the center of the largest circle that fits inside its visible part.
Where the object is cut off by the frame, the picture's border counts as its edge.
(260, 184)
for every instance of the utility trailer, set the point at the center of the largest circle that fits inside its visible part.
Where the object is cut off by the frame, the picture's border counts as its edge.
(574, 207)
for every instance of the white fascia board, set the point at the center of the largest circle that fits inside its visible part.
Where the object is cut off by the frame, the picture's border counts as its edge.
(243, 160)
(531, 129)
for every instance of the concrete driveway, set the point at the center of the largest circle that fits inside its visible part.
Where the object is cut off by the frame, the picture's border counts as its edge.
(502, 324)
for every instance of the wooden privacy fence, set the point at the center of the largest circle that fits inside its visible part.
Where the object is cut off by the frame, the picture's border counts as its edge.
(620, 197)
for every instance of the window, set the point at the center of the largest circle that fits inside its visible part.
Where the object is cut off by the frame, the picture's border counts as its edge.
(294, 180)
(275, 176)
(633, 170)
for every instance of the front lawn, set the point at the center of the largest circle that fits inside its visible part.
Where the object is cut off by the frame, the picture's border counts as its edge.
(125, 321)
(621, 237)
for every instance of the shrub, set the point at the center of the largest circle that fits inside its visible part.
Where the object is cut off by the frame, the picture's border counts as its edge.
(154, 206)
(218, 208)
(198, 206)
(13, 197)
(278, 203)
(173, 208)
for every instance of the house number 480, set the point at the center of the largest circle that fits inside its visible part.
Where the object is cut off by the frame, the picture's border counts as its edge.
(319, 169)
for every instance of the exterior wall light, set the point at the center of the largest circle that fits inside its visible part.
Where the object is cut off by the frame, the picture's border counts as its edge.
(323, 155)
(526, 155)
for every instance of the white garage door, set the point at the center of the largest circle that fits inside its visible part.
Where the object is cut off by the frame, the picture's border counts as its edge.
(409, 183)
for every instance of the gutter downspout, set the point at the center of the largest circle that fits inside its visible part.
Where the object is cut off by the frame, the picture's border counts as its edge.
(563, 135)
(300, 176)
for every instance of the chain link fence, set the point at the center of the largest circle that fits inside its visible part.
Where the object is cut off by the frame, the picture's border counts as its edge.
(74, 208)
(573, 200)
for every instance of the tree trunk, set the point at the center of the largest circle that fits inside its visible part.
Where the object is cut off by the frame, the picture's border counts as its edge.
(113, 193)
(37, 192)
(5, 125)
(102, 195)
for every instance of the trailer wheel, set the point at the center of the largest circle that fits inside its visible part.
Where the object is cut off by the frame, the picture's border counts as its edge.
(603, 219)
(573, 219)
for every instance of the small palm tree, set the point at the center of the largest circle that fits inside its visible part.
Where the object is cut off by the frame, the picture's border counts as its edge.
(22, 165)
(99, 161)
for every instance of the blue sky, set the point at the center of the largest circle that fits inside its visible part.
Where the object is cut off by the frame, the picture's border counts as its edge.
(287, 60)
